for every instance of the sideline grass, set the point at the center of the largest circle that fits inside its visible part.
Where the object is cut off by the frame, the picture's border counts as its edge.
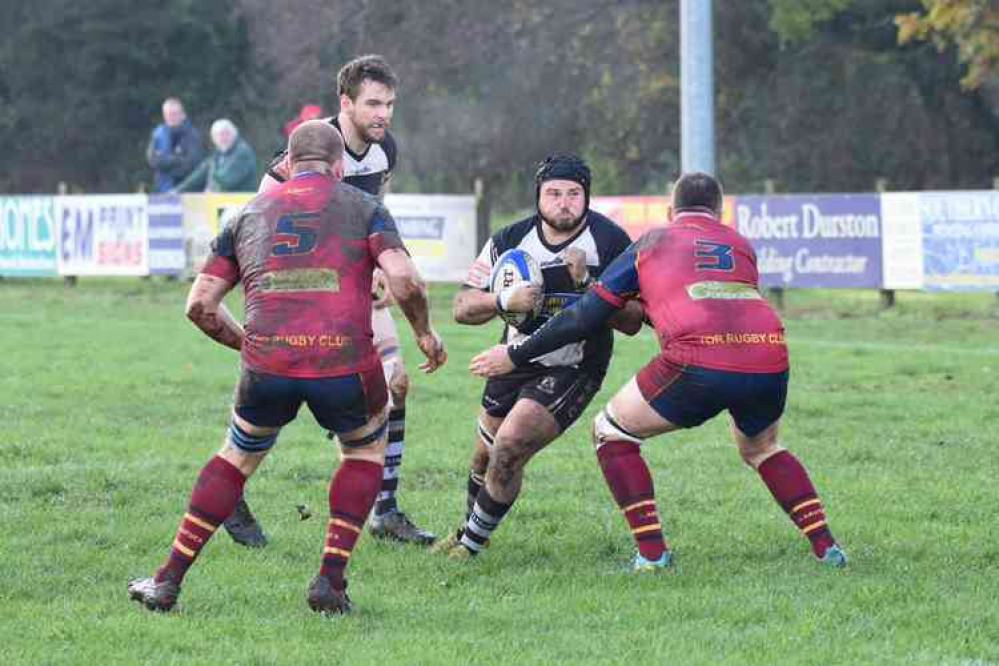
(111, 401)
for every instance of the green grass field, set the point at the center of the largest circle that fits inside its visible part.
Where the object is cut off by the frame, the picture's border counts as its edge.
(111, 401)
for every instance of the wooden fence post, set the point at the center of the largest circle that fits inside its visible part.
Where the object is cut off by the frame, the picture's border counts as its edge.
(776, 294)
(63, 190)
(483, 212)
(887, 295)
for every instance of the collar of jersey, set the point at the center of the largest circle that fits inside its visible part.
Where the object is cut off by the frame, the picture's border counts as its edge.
(567, 242)
(335, 121)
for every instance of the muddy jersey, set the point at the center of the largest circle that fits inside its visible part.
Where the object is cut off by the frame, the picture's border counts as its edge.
(600, 239)
(305, 251)
(698, 282)
(367, 171)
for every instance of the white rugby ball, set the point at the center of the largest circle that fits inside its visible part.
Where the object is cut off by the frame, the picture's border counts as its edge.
(512, 269)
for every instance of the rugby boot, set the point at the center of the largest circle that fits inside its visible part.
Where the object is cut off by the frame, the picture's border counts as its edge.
(397, 526)
(155, 596)
(323, 598)
(641, 565)
(243, 527)
(834, 557)
(442, 546)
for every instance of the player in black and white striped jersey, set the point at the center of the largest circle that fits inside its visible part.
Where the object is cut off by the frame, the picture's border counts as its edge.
(367, 90)
(524, 411)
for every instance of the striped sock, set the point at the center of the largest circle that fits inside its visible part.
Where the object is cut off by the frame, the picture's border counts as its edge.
(630, 482)
(215, 494)
(475, 483)
(393, 458)
(352, 492)
(483, 521)
(789, 484)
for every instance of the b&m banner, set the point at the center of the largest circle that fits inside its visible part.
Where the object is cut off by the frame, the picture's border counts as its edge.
(166, 235)
(439, 232)
(960, 240)
(28, 236)
(103, 234)
(828, 240)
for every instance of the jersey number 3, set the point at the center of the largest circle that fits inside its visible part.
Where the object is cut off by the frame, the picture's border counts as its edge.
(294, 235)
(713, 256)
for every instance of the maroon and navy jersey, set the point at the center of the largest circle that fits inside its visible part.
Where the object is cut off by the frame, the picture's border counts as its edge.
(698, 282)
(304, 251)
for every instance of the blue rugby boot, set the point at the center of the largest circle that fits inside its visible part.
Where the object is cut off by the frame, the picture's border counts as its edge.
(641, 565)
(834, 557)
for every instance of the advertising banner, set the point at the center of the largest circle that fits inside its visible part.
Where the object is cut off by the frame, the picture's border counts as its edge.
(814, 240)
(639, 214)
(439, 232)
(103, 234)
(901, 241)
(166, 235)
(960, 240)
(27, 236)
(204, 215)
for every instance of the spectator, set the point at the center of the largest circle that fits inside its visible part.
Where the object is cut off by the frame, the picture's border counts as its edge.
(308, 112)
(175, 147)
(232, 166)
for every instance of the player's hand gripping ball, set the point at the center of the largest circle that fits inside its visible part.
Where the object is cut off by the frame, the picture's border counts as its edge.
(518, 284)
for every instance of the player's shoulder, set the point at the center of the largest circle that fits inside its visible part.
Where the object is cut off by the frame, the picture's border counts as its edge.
(512, 234)
(605, 229)
(391, 149)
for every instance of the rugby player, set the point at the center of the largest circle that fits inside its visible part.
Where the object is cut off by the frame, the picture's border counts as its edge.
(366, 86)
(305, 252)
(523, 412)
(722, 349)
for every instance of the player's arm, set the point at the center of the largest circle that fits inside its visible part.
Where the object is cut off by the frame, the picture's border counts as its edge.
(593, 311)
(406, 286)
(410, 292)
(629, 319)
(206, 309)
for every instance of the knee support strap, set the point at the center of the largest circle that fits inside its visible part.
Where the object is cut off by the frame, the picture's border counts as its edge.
(363, 441)
(487, 437)
(606, 429)
(248, 443)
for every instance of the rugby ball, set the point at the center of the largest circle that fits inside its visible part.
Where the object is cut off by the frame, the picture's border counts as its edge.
(513, 269)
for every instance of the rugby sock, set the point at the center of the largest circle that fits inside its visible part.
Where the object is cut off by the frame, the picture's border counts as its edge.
(475, 483)
(393, 458)
(352, 492)
(484, 519)
(789, 484)
(630, 482)
(215, 494)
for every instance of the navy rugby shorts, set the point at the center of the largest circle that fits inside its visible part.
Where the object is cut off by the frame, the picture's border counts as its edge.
(688, 395)
(565, 391)
(339, 404)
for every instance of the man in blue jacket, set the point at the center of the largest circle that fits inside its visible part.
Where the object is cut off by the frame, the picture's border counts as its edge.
(175, 147)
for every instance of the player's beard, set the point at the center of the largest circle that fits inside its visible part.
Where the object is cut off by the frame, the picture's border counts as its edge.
(371, 134)
(563, 223)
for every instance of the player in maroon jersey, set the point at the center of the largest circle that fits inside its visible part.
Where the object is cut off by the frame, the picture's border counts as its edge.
(722, 349)
(305, 252)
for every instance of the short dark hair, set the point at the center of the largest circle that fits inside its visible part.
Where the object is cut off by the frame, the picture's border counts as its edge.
(697, 189)
(357, 71)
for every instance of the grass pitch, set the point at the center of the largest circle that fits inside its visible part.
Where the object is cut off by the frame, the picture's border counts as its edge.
(111, 401)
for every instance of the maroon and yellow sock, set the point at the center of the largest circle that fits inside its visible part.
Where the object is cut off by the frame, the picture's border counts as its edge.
(353, 490)
(215, 494)
(630, 482)
(788, 482)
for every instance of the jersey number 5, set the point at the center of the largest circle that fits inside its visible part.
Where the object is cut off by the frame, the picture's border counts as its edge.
(294, 235)
(714, 256)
